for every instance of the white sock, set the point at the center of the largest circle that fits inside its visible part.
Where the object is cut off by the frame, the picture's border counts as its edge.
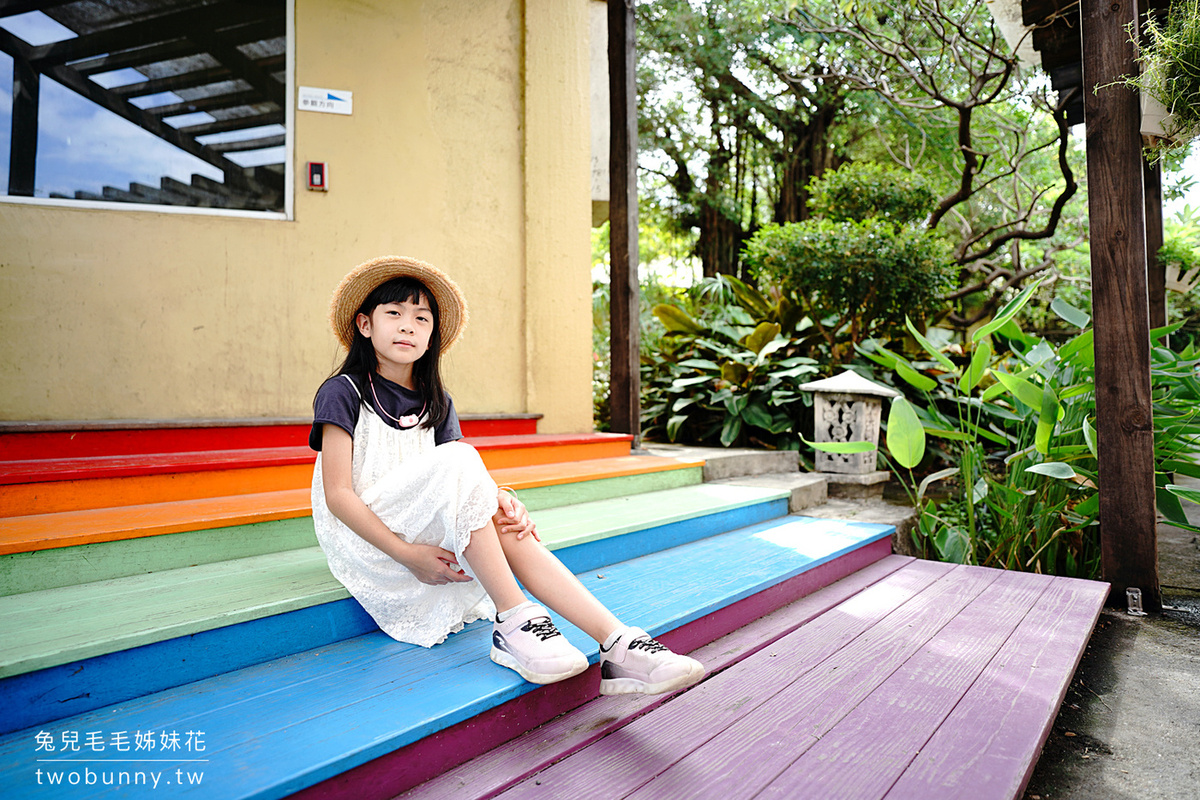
(504, 615)
(613, 638)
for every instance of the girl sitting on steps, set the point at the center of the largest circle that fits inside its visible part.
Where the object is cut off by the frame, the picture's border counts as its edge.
(410, 520)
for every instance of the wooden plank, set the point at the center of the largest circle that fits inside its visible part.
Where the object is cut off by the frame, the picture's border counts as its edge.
(46, 695)
(1117, 229)
(780, 725)
(499, 768)
(53, 567)
(868, 750)
(99, 618)
(48, 498)
(624, 294)
(359, 703)
(696, 717)
(576, 524)
(988, 746)
(34, 440)
(75, 469)
(57, 626)
(540, 487)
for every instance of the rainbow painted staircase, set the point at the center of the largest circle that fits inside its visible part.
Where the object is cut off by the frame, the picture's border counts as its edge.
(167, 620)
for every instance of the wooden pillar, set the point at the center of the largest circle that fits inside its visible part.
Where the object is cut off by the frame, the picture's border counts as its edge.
(625, 379)
(22, 151)
(1129, 550)
(1156, 271)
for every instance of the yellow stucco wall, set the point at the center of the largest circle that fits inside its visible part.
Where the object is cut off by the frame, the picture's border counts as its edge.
(468, 147)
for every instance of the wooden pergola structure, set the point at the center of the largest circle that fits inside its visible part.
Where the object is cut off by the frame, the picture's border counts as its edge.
(223, 57)
(1083, 43)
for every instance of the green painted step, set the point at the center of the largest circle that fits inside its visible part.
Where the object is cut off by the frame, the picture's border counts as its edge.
(103, 561)
(540, 498)
(61, 625)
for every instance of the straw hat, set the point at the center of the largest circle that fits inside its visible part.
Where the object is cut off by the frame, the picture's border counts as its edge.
(363, 279)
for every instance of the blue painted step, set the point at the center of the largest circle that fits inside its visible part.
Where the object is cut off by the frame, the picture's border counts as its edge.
(274, 728)
(585, 536)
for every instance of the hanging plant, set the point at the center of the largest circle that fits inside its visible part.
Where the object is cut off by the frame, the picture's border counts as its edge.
(1170, 75)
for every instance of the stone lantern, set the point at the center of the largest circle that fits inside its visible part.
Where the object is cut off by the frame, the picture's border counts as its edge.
(848, 408)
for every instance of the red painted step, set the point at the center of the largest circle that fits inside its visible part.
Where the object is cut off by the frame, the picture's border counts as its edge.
(54, 440)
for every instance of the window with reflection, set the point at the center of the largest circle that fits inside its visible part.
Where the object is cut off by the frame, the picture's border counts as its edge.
(166, 102)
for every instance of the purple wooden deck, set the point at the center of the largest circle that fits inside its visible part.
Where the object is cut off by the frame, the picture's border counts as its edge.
(907, 679)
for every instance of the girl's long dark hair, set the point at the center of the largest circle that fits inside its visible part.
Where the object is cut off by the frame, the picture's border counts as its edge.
(427, 374)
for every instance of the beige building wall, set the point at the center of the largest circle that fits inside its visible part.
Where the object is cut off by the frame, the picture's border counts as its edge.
(468, 147)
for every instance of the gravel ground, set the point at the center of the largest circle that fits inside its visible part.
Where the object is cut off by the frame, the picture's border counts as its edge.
(1129, 726)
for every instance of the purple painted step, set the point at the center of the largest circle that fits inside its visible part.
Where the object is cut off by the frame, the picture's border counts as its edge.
(937, 681)
(412, 765)
(502, 767)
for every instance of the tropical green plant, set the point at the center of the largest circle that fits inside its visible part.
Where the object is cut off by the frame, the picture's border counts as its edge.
(1170, 61)
(863, 263)
(1019, 428)
(731, 377)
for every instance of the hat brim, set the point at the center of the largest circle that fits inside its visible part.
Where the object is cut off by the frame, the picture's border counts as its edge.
(363, 279)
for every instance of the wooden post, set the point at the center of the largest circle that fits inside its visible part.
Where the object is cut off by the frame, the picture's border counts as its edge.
(22, 150)
(625, 379)
(1128, 543)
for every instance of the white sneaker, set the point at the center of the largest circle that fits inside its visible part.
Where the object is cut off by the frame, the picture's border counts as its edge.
(529, 643)
(637, 663)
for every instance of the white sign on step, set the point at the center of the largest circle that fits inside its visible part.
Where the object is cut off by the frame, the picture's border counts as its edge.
(326, 101)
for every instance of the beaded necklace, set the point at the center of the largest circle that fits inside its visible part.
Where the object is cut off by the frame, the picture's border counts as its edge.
(405, 422)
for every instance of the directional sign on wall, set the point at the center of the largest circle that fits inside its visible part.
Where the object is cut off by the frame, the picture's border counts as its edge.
(326, 101)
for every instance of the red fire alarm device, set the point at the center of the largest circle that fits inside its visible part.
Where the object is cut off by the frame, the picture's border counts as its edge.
(318, 176)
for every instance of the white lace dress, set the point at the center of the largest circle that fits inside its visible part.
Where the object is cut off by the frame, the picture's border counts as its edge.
(424, 493)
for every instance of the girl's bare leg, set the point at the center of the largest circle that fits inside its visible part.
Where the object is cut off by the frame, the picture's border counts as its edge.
(553, 584)
(499, 561)
(490, 565)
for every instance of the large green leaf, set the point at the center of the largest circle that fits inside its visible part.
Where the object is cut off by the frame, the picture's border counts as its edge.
(946, 363)
(734, 372)
(751, 299)
(700, 363)
(761, 336)
(1022, 389)
(922, 382)
(754, 414)
(905, 434)
(936, 476)
(731, 430)
(952, 543)
(1051, 410)
(1081, 346)
(1089, 436)
(1070, 313)
(674, 424)
(1185, 492)
(979, 364)
(1006, 313)
(677, 320)
(1054, 469)
(842, 448)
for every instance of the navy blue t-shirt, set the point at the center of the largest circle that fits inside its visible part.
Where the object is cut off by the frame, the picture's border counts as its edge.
(337, 403)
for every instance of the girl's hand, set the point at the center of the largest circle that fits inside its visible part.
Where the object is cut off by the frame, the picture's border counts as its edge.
(433, 565)
(513, 517)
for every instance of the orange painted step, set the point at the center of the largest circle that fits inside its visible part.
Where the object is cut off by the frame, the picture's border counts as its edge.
(59, 485)
(537, 475)
(65, 529)
(58, 496)
(89, 526)
(501, 452)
